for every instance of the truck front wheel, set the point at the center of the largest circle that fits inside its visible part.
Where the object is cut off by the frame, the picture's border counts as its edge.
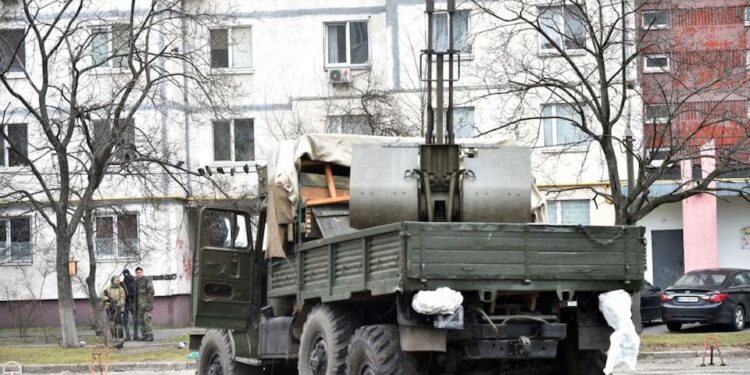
(376, 350)
(216, 356)
(324, 341)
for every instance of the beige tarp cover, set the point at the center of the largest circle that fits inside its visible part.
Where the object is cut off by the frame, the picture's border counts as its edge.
(284, 163)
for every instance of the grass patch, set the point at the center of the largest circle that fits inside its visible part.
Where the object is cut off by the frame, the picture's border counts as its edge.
(693, 341)
(47, 355)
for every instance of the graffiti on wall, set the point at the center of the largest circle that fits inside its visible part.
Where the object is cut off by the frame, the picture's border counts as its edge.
(745, 238)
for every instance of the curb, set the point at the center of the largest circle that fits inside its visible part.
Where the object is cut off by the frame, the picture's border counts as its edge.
(113, 367)
(692, 354)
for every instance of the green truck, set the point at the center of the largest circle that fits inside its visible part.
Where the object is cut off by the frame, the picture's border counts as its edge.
(343, 303)
(384, 256)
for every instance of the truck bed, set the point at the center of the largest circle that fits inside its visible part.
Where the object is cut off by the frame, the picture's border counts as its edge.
(410, 256)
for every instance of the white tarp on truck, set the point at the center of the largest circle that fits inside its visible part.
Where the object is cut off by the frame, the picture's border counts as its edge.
(284, 164)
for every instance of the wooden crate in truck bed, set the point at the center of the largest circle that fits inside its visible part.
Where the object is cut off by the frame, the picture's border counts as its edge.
(409, 256)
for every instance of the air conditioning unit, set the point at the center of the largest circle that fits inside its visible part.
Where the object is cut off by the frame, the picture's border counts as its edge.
(339, 76)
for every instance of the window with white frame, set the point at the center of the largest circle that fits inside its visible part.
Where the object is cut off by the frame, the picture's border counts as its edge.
(234, 140)
(116, 236)
(656, 114)
(560, 125)
(232, 47)
(562, 27)
(655, 19)
(349, 124)
(656, 63)
(347, 43)
(463, 122)
(15, 240)
(109, 45)
(124, 145)
(575, 211)
(440, 40)
(12, 50)
(15, 149)
(747, 16)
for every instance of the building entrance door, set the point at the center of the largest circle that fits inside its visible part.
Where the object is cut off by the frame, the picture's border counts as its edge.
(668, 256)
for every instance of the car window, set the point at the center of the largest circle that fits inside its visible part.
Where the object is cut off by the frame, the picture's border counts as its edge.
(711, 279)
(741, 279)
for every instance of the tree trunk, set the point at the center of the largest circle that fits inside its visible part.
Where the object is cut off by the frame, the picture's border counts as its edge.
(96, 306)
(65, 301)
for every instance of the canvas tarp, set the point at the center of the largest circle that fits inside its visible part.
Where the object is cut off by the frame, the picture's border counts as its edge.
(284, 164)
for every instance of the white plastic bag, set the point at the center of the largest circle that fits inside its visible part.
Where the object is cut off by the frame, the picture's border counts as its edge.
(442, 301)
(624, 343)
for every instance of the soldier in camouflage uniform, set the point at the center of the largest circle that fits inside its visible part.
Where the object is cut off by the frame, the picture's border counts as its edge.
(145, 303)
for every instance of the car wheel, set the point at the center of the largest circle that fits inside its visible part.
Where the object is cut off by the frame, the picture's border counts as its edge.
(673, 326)
(738, 322)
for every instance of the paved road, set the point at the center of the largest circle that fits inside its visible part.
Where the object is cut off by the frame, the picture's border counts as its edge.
(735, 365)
(652, 367)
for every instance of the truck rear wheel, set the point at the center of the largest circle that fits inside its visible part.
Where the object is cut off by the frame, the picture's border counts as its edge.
(324, 341)
(376, 350)
(216, 356)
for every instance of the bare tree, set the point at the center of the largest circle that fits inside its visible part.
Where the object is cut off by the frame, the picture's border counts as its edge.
(582, 55)
(365, 107)
(83, 96)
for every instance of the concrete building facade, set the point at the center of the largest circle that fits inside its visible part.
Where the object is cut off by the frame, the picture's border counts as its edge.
(695, 89)
(287, 69)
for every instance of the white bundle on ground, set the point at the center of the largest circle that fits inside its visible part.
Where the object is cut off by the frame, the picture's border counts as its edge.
(442, 301)
(624, 343)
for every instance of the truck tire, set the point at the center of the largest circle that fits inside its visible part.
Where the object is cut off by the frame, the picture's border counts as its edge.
(324, 341)
(674, 326)
(216, 356)
(376, 350)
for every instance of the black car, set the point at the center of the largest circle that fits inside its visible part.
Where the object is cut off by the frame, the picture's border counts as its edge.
(713, 296)
(650, 303)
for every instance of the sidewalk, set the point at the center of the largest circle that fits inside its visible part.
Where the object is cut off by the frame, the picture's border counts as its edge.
(189, 365)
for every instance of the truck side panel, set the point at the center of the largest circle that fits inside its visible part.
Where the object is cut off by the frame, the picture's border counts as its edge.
(465, 256)
(477, 256)
(372, 262)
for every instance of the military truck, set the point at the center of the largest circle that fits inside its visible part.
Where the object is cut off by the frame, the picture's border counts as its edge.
(352, 230)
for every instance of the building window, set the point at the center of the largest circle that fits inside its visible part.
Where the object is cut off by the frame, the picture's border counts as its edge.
(562, 27)
(349, 124)
(347, 43)
(440, 40)
(463, 122)
(12, 50)
(15, 240)
(15, 150)
(655, 63)
(234, 140)
(656, 114)
(117, 236)
(124, 147)
(560, 125)
(569, 212)
(655, 19)
(747, 16)
(232, 48)
(109, 45)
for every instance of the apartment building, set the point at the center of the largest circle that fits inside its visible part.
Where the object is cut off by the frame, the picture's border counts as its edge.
(695, 89)
(286, 68)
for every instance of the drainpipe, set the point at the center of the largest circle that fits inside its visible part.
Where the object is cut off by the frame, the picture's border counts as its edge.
(186, 112)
